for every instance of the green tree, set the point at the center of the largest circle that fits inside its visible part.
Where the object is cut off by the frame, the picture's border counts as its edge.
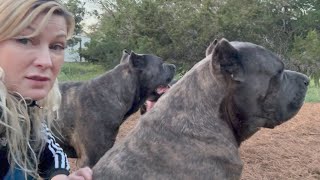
(77, 8)
(168, 29)
(305, 54)
(179, 31)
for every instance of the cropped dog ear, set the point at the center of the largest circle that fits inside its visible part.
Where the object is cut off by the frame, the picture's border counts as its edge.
(211, 47)
(225, 55)
(125, 55)
(137, 61)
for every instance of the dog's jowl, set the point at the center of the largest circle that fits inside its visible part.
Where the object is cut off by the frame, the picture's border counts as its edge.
(195, 129)
(91, 112)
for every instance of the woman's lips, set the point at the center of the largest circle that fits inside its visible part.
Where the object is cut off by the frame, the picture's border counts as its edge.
(38, 78)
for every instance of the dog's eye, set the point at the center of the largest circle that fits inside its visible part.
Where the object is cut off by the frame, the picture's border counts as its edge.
(280, 71)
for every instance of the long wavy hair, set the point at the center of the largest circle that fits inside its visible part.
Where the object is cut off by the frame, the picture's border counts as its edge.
(21, 125)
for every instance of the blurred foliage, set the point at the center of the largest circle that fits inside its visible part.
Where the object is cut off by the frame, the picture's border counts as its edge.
(180, 31)
(79, 71)
(77, 8)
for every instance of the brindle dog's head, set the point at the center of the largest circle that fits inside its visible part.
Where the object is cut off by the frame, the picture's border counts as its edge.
(152, 72)
(261, 93)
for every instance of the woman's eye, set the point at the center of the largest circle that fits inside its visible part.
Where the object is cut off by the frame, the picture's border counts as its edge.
(57, 47)
(23, 41)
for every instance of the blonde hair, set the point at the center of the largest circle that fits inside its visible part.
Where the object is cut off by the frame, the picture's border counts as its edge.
(20, 125)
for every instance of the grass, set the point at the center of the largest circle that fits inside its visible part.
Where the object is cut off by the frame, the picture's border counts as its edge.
(81, 71)
(313, 93)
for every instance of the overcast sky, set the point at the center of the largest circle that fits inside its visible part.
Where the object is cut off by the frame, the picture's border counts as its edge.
(89, 20)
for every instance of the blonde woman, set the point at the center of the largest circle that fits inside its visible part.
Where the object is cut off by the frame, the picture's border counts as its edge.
(33, 36)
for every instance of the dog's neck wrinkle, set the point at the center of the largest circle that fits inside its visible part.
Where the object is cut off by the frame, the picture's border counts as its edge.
(227, 109)
(137, 101)
(140, 94)
(229, 114)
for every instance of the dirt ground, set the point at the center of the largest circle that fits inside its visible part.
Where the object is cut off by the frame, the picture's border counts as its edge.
(289, 151)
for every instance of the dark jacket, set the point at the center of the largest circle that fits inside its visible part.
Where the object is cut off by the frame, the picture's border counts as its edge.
(53, 160)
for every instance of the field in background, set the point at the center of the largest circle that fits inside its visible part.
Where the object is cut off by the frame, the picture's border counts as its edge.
(313, 94)
(80, 71)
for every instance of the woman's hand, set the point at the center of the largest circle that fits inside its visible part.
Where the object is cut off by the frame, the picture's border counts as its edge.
(80, 174)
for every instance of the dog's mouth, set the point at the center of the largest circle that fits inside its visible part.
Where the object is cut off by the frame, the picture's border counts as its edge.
(162, 89)
(158, 92)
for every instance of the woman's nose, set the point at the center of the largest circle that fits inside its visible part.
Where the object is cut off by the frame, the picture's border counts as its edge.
(43, 58)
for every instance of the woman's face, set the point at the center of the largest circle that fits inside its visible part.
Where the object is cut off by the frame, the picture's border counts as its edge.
(31, 65)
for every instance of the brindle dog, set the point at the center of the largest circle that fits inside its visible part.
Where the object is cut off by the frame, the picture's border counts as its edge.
(195, 129)
(91, 112)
